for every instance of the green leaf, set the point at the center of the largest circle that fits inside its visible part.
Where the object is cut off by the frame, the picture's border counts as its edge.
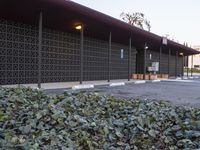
(152, 133)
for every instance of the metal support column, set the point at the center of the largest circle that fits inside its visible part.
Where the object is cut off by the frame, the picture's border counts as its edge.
(136, 65)
(183, 65)
(192, 67)
(176, 64)
(129, 60)
(187, 66)
(169, 63)
(109, 55)
(81, 55)
(40, 49)
(145, 53)
(160, 57)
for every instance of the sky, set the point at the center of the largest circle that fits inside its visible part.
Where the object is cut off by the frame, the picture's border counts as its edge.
(180, 19)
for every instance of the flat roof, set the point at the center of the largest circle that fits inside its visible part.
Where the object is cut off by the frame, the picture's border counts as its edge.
(64, 14)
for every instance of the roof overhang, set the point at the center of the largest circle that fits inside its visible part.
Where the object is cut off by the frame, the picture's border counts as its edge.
(64, 14)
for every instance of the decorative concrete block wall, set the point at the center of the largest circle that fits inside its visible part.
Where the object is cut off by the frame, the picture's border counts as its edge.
(60, 61)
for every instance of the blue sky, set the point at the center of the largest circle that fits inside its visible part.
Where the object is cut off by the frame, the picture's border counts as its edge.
(178, 18)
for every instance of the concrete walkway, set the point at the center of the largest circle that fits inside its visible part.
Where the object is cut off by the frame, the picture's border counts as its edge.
(93, 84)
(67, 85)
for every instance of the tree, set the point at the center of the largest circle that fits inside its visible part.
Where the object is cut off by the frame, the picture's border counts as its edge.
(136, 19)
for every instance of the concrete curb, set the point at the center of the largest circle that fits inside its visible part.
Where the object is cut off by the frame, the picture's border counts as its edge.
(154, 81)
(85, 86)
(178, 78)
(139, 82)
(116, 84)
(175, 80)
(101, 85)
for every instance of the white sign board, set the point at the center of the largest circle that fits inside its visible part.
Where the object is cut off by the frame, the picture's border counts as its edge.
(164, 41)
(155, 66)
(150, 69)
(122, 53)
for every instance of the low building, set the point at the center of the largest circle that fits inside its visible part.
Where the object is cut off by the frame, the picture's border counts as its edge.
(194, 61)
(60, 41)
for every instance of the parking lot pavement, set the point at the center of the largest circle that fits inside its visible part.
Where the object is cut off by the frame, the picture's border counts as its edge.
(178, 93)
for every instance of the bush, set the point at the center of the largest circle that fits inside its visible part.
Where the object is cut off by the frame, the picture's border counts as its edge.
(194, 70)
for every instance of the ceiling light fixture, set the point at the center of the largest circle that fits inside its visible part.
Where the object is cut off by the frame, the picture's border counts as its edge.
(78, 27)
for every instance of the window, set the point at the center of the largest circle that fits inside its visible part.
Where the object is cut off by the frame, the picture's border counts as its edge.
(196, 66)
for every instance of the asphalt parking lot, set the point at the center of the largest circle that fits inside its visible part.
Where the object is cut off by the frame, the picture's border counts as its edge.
(177, 92)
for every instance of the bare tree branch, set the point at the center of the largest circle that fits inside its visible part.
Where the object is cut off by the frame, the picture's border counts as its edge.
(136, 19)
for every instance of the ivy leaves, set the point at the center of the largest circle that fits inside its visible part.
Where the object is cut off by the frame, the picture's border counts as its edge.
(30, 119)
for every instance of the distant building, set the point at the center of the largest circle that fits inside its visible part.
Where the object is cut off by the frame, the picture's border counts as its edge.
(196, 59)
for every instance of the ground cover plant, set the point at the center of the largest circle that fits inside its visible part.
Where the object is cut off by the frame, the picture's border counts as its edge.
(30, 119)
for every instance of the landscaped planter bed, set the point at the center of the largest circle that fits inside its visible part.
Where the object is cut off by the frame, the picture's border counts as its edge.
(147, 76)
(134, 76)
(165, 76)
(153, 76)
(140, 76)
(33, 120)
